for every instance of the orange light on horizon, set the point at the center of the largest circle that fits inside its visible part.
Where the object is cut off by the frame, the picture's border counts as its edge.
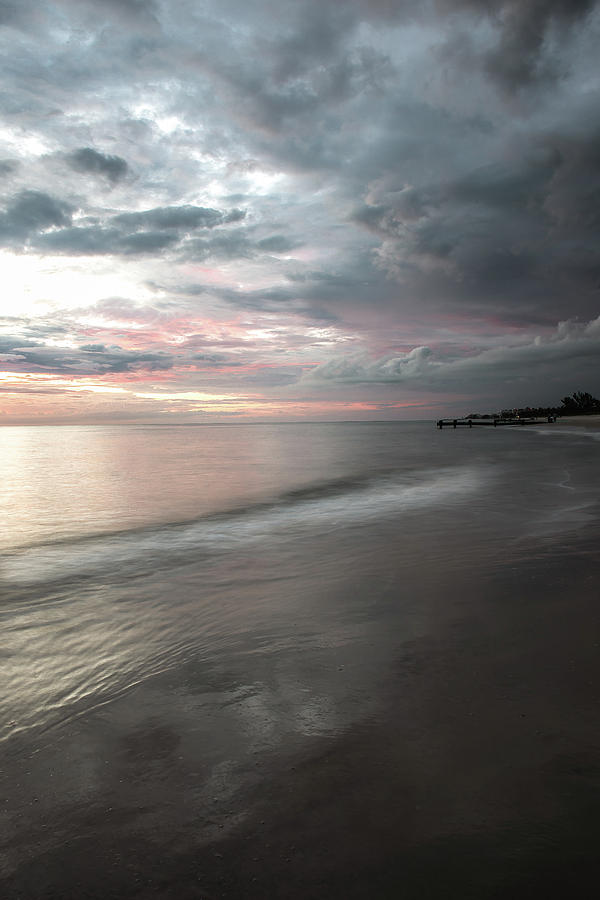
(47, 397)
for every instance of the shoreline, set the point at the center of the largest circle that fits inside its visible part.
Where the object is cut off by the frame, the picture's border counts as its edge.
(472, 777)
(592, 423)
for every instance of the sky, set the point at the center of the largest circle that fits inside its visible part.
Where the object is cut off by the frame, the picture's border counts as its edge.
(248, 210)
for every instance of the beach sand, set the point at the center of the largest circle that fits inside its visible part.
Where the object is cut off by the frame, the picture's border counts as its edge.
(590, 422)
(476, 774)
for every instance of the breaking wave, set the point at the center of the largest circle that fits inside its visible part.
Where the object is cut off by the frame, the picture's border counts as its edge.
(339, 503)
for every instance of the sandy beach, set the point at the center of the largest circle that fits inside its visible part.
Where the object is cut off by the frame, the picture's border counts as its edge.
(476, 775)
(379, 686)
(590, 422)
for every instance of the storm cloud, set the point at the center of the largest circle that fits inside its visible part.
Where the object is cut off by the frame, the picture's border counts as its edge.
(29, 212)
(534, 359)
(33, 219)
(86, 159)
(363, 196)
(92, 359)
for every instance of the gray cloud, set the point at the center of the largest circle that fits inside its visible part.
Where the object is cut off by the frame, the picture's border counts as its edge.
(398, 169)
(539, 362)
(81, 241)
(129, 13)
(512, 231)
(86, 159)
(183, 218)
(8, 166)
(237, 244)
(133, 8)
(32, 211)
(34, 218)
(28, 355)
(276, 243)
(417, 364)
(525, 26)
(95, 240)
(155, 230)
(10, 12)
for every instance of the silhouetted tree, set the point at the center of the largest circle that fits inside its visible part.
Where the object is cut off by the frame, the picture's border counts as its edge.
(580, 402)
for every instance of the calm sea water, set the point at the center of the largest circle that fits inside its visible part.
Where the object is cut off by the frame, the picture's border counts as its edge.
(132, 551)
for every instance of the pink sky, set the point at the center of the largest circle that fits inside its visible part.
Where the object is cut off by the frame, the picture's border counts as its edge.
(327, 214)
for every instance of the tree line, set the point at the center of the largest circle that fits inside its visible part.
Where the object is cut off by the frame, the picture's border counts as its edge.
(580, 403)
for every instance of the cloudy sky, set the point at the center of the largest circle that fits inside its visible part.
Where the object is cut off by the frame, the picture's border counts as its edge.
(221, 210)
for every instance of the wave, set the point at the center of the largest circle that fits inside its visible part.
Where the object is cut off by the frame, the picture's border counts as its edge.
(338, 503)
(578, 432)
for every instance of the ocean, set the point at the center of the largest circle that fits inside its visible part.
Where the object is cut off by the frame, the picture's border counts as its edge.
(188, 610)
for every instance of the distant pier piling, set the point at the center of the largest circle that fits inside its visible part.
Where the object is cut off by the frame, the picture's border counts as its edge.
(494, 423)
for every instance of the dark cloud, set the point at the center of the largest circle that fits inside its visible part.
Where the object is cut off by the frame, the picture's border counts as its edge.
(213, 359)
(10, 12)
(34, 219)
(320, 295)
(134, 8)
(81, 241)
(132, 13)
(31, 211)
(8, 166)
(573, 197)
(114, 168)
(146, 242)
(522, 48)
(512, 231)
(525, 26)
(87, 360)
(131, 234)
(393, 168)
(539, 361)
(237, 244)
(95, 240)
(525, 34)
(233, 245)
(276, 243)
(9, 343)
(114, 360)
(182, 218)
(29, 328)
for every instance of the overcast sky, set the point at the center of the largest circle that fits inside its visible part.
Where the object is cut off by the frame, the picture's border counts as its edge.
(220, 210)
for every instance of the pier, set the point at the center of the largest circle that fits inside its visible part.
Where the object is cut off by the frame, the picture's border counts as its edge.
(494, 423)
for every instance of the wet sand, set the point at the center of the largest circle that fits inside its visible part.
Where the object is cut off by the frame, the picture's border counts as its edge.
(475, 774)
(590, 422)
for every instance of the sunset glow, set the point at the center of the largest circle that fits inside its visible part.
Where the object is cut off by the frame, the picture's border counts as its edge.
(239, 225)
